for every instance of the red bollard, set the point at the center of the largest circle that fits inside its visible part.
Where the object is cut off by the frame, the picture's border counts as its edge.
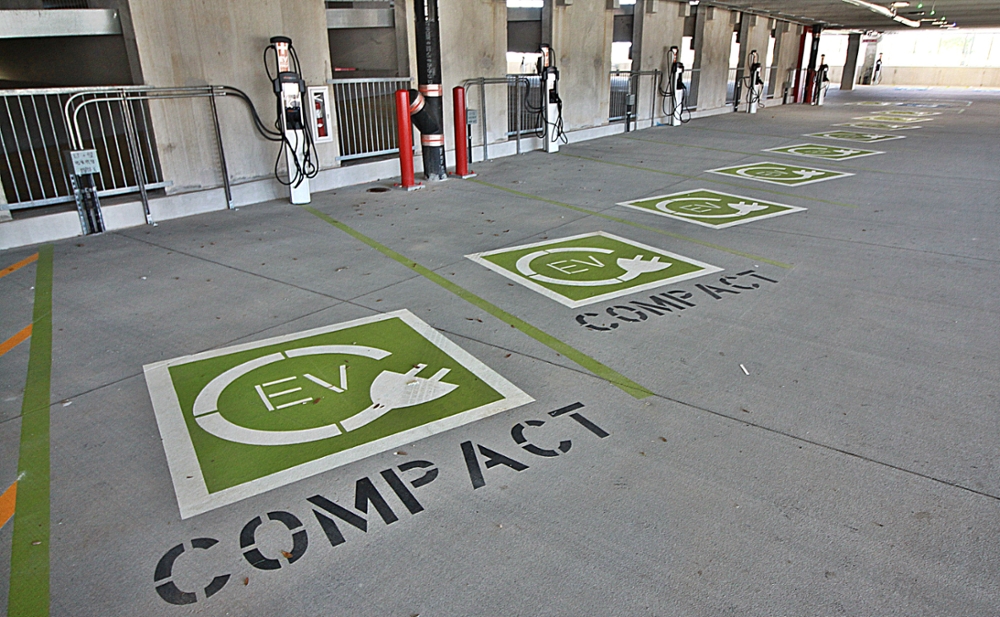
(461, 134)
(405, 125)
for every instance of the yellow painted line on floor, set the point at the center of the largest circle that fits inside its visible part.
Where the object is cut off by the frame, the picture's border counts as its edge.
(13, 341)
(7, 501)
(18, 265)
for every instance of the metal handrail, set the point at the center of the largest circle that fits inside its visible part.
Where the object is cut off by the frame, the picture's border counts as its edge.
(365, 80)
(126, 94)
(482, 82)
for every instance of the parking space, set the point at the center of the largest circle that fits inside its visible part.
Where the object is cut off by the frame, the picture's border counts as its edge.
(700, 370)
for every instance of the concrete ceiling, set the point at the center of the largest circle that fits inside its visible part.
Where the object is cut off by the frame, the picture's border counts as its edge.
(844, 15)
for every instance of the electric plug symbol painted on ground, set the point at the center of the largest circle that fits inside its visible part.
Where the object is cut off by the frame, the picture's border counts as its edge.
(391, 390)
(636, 266)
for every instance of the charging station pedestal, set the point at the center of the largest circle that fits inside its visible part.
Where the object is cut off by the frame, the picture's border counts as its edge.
(551, 114)
(756, 90)
(289, 87)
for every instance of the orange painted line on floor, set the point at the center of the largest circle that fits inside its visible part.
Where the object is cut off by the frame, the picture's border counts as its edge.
(18, 265)
(7, 501)
(13, 341)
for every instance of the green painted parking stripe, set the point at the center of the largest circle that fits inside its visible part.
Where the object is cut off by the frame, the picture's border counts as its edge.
(701, 179)
(29, 558)
(656, 230)
(592, 365)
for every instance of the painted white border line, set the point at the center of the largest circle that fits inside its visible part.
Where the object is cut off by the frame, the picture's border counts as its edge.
(791, 209)
(885, 126)
(189, 483)
(722, 172)
(779, 150)
(479, 258)
(890, 119)
(860, 141)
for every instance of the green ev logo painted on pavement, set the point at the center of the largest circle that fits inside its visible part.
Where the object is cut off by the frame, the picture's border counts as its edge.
(710, 208)
(581, 270)
(239, 421)
(830, 153)
(882, 126)
(855, 136)
(888, 117)
(779, 173)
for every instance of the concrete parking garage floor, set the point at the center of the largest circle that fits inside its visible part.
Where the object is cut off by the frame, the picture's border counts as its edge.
(811, 431)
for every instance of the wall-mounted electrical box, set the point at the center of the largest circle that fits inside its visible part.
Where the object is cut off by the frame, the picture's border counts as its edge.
(321, 119)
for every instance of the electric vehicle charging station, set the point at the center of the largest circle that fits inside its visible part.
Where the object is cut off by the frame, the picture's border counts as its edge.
(553, 104)
(822, 79)
(676, 91)
(290, 88)
(755, 91)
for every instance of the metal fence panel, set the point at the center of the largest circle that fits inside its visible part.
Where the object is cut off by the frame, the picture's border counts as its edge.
(530, 102)
(366, 115)
(621, 86)
(33, 136)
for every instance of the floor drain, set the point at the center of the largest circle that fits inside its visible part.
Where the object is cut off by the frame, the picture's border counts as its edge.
(378, 189)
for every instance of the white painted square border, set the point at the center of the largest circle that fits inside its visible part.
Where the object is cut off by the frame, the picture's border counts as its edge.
(721, 171)
(903, 119)
(882, 125)
(479, 258)
(189, 483)
(629, 204)
(909, 113)
(884, 137)
(822, 158)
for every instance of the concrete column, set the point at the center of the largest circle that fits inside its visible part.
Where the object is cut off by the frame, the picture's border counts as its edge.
(713, 36)
(662, 28)
(4, 210)
(868, 69)
(851, 63)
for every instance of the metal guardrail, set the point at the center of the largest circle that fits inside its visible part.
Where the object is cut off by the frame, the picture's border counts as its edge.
(524, 93)
(626, 87)
(366, 115)
(34, 133)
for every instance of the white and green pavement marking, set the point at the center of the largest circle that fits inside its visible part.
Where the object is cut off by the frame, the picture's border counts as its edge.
(855, 136)
(779, 173)
(909, 112)
(889, 117)
(588, 268)
(881, 126)
(710, 208)
(239, 421)
(819, 151)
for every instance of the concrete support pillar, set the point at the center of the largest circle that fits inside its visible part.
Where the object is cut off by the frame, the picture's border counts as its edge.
(851, 63)
(4, 211)
(798, 67)
(811, 72)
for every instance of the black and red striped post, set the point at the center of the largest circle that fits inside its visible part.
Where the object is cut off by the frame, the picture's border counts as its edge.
(429, 84)
(461, 134)
(405, 127)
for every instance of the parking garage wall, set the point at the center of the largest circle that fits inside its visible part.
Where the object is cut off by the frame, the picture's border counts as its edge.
(193, 43)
